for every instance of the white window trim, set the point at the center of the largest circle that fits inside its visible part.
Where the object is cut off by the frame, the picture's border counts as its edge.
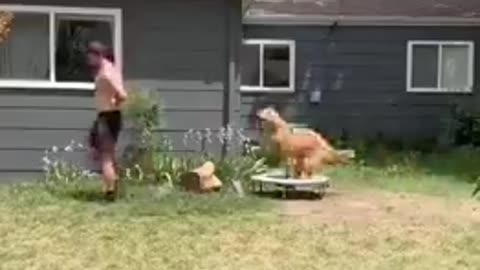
(262, 43)
(471, 66)
(116, 13)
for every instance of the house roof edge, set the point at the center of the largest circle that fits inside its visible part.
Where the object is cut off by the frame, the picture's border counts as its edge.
(348, 20)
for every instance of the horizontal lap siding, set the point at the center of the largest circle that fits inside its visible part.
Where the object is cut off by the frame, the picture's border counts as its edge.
(361, 72)
(175, 47)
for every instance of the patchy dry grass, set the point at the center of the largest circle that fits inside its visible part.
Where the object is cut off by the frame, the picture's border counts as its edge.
(39, 230)
(380, 216)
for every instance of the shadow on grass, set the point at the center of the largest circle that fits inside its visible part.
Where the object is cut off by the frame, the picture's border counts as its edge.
(154, 200)
(277, 195)
(90, 192)
(86, 195)
(85, 191)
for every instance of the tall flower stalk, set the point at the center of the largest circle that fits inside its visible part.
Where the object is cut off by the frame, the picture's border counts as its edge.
(230, 137)
(57, 169)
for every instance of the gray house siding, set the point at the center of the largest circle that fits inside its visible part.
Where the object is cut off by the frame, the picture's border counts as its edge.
(361, 73)
(177, 47)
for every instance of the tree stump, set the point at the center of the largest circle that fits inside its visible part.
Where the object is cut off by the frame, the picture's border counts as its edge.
(201, 179)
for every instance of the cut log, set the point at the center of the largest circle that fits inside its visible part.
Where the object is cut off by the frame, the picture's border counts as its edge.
(206, 170)
(201, 179)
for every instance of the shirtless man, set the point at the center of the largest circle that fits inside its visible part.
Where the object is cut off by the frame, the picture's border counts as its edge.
(109, 95)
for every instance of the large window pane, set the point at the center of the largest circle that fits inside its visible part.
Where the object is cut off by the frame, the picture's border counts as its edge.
(74, 32)
(425, 66)
(454, 67)
(25, 52)
(276, 66)
(250, 65)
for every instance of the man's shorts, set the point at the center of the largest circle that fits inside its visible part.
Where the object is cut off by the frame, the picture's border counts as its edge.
(105, 131)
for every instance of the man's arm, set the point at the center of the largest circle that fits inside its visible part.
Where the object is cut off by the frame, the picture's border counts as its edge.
(116, 83)
(121, 95)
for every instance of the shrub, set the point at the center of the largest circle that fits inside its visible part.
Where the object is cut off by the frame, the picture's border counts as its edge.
(466, 127)
(143, 112)
(240, 168)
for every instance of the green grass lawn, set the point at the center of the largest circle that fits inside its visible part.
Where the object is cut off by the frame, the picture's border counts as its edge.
(451, 174)
(70, 228)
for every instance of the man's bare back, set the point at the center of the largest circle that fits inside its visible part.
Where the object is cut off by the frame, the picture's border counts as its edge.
(109, 88)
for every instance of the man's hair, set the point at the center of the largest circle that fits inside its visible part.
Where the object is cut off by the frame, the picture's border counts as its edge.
(101, 50)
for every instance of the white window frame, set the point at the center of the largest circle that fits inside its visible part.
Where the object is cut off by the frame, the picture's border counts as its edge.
(261, 43)
(440, 44)
(51, 11)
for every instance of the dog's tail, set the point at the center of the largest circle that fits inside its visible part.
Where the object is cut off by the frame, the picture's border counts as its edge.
(344, 156)
(330, 154)
(322, 142)
(331, 157)
(338, 157)
(326, 153)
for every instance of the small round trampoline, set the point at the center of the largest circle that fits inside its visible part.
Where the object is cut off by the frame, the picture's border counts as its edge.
(316, 186)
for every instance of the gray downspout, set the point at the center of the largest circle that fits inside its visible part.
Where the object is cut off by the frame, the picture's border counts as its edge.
(230, 69)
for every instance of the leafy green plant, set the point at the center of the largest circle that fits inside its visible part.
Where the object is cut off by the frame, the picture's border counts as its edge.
(466, 126)
(169, 168)
(240, 168)
(143, 113)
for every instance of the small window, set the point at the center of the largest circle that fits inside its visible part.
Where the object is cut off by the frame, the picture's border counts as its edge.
(268, 65)
(74, 33)
(440, 66)
(61, 36)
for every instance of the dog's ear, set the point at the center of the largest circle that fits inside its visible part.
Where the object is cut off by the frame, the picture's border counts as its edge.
(262, 112)
(273, 112)
(268, 113)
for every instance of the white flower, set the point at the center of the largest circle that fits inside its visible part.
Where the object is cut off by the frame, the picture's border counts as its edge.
(68, 148)
(220, 137)
(185, 139)
(46, 160)
(199, 135)
(54, 149)
(208, 135)
(87, 173)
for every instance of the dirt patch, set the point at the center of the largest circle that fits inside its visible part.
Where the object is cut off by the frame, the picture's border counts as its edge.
(381, 208)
